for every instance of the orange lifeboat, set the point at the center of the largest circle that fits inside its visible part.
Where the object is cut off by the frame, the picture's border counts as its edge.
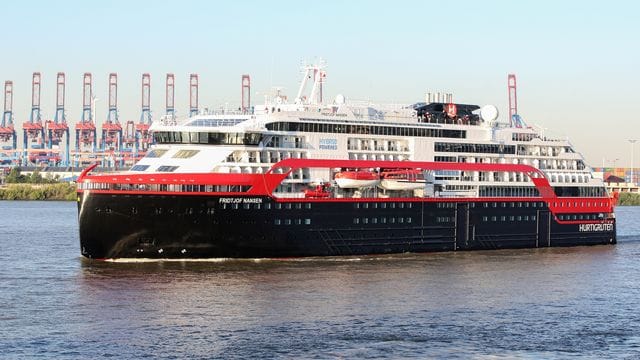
(356, 179)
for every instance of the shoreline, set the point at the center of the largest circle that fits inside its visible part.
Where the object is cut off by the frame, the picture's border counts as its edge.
(38, 192)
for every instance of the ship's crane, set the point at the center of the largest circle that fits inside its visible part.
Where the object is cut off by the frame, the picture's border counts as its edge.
(246, 93)
(143, 136)
(317, 75)
(169, 96)
(86, 138)
(514, 118)
(7, 129)
(193, 95)
(57, 129)
(111, 128)
(33, 129)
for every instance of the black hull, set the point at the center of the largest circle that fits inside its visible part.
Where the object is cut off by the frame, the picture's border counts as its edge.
(158, 226)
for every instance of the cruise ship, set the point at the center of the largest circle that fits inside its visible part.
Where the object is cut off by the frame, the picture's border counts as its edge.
(309, 177)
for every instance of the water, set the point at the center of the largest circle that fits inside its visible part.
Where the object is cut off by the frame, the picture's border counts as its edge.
(539, 303)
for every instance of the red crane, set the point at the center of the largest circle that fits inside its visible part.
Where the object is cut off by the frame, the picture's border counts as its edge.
(58, 129)
(86, 128)
(169, 96)
(246, 93)
(111, 128)
(143, 136)
(193, 95)
(7, 130)
(33, 129)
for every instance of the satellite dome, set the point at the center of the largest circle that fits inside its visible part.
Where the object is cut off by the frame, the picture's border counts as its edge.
(489, 113)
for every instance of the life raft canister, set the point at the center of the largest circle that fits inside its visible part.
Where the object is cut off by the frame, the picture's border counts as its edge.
(452, 110)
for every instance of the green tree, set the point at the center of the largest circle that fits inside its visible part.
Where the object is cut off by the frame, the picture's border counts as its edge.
(15, 176)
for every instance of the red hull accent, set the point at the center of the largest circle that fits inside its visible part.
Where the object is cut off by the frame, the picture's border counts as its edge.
(265, 184)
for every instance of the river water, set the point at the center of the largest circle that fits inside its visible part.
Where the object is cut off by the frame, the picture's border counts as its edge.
(539, 303)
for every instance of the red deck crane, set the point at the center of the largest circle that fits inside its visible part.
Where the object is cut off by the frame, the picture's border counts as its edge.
(86, 128)
(111, 128)
(34, 129)
(57, 129)
(7, 129)
(193, 95)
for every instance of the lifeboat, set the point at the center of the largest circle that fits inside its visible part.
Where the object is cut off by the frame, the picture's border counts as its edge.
(355, 179)
(402, 179)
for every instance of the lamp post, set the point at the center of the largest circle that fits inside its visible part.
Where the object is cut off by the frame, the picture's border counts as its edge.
(632, 141)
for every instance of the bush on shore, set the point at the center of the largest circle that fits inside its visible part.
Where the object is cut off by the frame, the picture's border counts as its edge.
(59, 191)
(626, 198)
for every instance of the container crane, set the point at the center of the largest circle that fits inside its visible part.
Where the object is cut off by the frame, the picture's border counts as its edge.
(111, 128)
(246, 94)
(7, 129)
(143, 137)
(129, 140)
(58, 129)
(193, 95)
(33, 129)
(169, 96)
(86, 138)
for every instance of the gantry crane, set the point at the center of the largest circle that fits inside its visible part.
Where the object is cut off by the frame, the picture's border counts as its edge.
(111, 129)
(57, 129)
(86, 139)
(7, 130)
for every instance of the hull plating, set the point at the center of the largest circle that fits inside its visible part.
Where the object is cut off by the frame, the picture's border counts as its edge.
(167, 226)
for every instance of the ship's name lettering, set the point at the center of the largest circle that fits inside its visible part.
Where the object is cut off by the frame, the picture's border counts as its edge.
(595, 227)
(328, 144)
(240, 201)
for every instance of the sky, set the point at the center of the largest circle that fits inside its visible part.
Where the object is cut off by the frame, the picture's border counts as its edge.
(577, 62)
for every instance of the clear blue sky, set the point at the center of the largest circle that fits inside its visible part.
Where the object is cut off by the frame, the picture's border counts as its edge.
(577, 62)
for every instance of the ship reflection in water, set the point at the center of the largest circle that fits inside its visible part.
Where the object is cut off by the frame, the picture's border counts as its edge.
(537, 302)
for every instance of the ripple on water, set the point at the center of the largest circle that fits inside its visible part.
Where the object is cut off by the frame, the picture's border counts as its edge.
(529, 304)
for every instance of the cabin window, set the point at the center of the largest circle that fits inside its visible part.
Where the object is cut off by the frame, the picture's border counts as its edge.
(156, 153)
(185, 154)
(139, 167)
(167, 168)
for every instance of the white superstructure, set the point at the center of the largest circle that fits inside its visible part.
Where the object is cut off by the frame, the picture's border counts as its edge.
(309, 127)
